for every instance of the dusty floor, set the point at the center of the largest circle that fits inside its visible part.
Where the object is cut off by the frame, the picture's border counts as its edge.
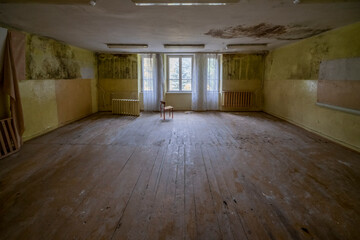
(198, 176)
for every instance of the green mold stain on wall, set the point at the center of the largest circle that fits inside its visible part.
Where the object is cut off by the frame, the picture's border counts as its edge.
(50, 59)
(122, 66)
(244, 72)
(243, 66)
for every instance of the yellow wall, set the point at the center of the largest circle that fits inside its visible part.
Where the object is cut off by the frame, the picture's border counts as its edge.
(290, 86)
(39, 107)
(244, 72)
(118, 78)
(48, 100)
(180, 101)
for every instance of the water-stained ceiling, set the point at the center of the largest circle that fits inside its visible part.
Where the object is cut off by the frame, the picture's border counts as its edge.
(275, 22)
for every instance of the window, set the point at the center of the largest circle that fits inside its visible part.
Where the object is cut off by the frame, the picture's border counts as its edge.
(147, 73)
(180, 73)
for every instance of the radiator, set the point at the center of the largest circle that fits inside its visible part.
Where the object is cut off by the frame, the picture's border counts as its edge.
(126, 107)
(243, 99)
(7, 138)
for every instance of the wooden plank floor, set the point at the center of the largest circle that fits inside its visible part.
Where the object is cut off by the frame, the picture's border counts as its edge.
(199, 176)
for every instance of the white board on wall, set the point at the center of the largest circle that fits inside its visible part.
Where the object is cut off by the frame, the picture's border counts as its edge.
(339, 84)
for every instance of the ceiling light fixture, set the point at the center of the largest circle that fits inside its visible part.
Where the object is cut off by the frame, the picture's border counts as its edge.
(182, 46)
(245, 45)
(126, 46)
(182, 2)
(55, 2)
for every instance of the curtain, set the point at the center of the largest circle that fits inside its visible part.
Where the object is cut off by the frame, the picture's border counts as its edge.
(205, 91)
(213, 75)
(152, 80)
(199, 83)
(160, 78)
(13, 71)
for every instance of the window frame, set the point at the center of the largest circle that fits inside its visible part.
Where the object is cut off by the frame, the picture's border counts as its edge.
(180, 56)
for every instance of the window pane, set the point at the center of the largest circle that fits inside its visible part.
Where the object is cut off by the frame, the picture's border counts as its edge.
(174, 85)
(186, 84)
(186, 68)
(174, 68)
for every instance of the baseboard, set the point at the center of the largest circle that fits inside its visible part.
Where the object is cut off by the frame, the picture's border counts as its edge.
(352, 147)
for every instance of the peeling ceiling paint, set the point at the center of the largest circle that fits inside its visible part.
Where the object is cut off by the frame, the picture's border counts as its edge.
(262, 30)
(279, 22)
(266, 30)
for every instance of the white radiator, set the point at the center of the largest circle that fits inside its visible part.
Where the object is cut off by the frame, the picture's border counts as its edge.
(243, 99)
(126, 107)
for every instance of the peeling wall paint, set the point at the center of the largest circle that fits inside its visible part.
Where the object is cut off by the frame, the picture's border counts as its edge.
(244, 72)
(118, 78)
(243, 66)
(304, 62)
(266, 30)
(71, 71)
(49, 101)
(121, 66)
(290, 86)
(50, 59)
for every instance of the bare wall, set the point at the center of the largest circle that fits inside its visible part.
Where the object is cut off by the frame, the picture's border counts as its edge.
(290, 86)
(244, 72)
(60, 85)
(118, 78)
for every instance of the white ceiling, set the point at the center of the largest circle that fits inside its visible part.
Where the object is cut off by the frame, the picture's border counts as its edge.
(276, 22)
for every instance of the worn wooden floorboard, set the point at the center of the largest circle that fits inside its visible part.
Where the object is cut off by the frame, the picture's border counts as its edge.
(210, 175)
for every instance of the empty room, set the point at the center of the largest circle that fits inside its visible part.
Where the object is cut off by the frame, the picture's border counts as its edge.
(186, 119)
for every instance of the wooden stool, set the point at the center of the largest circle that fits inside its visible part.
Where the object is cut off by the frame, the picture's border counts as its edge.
(164, 108)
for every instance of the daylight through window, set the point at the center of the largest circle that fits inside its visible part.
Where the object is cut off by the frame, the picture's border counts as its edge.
(180, 73)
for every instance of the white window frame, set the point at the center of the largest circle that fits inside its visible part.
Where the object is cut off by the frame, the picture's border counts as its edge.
(180, 56)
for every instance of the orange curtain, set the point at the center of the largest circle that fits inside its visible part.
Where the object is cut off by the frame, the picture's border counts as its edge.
(13, 71)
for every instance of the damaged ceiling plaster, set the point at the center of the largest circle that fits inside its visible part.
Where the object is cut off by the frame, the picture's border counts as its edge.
(274, 22)
(265, 30)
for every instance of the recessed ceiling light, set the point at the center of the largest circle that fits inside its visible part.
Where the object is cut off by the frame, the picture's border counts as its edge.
(119, 45)
(245, 45)
(182, 2)
(182, 46)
